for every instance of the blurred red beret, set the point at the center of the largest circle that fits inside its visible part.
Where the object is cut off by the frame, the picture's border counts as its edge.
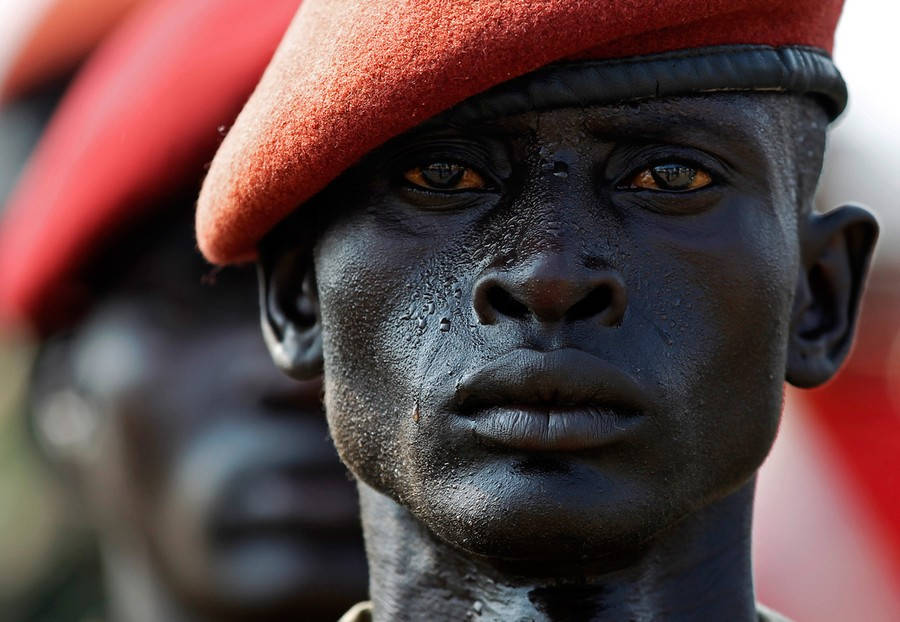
(58, 37)
(139, 122)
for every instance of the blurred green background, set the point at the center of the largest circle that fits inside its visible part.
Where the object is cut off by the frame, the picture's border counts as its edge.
(47, 557)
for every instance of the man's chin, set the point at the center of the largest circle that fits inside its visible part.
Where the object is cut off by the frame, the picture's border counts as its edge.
(559, 543)
(542, 523)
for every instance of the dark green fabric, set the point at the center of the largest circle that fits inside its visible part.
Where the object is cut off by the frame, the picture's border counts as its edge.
(72, 592)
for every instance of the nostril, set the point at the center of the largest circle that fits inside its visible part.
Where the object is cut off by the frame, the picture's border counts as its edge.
(592, 305)
(504, 303)
(551, 296)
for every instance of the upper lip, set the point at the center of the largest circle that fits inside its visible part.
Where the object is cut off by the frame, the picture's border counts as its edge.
(558, 379)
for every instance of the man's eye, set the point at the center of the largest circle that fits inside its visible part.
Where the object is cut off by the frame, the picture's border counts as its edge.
(671, 178)
(445, 176)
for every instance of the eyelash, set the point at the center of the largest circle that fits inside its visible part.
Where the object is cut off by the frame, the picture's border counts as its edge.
(421, 157)
(491, 184)
(650, 161)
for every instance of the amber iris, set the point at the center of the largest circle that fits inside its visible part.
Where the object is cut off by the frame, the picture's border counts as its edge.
(445, 177)
(671, 178)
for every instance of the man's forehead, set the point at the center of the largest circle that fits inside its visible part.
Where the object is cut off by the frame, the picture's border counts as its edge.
(699, 120)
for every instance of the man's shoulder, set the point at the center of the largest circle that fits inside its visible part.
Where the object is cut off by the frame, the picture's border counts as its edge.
(360, 612)
(767, 615)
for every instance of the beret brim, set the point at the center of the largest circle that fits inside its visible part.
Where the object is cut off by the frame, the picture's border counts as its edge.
(349, 76)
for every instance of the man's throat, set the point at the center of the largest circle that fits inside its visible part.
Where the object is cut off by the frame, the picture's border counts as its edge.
(697, 570)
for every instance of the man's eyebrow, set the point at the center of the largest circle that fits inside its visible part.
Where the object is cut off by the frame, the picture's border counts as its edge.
(491, 128)
(728, 130)
(726, 135)
(663, 122)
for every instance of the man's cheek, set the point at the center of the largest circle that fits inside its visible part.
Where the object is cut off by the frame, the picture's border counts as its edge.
(722, 308)
(743, 347)
(745, 331)
(738, 284)
(369, 369)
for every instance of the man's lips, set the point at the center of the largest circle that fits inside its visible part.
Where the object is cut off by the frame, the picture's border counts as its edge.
(562, 400)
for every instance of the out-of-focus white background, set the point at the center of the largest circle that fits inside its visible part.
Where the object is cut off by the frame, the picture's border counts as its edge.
(861, 165)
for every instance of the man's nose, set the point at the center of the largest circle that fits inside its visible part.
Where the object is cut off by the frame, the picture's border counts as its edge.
(551, 287)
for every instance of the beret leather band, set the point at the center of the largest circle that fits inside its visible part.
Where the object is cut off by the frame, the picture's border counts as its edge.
(733, 68)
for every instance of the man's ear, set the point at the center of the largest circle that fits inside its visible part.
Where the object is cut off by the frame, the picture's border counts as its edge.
(835, 251)
(289, 308)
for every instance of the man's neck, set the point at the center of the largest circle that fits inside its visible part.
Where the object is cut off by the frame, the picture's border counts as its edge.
(697, 570)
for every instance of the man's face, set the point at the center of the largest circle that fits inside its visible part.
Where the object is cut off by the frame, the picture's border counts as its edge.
(220, 464)
(557, 333)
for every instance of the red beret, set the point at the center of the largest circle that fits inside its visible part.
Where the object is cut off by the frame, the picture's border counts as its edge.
(139, 122)
(350, 75)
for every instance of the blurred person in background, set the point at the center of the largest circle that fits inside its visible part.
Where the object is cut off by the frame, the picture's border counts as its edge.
(209, 477)
(47, 562)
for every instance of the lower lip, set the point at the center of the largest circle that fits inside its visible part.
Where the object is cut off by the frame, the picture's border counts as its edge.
(537, 429)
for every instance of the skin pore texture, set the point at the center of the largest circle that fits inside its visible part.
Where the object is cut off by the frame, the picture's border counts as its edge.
(209, 476)
(554, 345)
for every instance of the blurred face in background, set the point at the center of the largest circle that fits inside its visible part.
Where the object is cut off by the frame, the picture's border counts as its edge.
(195, 453)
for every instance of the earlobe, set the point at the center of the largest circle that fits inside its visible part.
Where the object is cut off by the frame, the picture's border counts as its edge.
(67, 424)
(289, 312)
(836, 248)
(64, 420)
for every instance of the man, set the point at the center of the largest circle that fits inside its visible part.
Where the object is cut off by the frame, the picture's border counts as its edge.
(209, 477)
(566, 266)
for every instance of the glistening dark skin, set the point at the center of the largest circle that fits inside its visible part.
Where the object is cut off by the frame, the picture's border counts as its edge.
(209, 476)
(554, 346)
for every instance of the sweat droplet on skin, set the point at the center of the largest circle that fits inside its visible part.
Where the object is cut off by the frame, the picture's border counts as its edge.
(557, 168)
